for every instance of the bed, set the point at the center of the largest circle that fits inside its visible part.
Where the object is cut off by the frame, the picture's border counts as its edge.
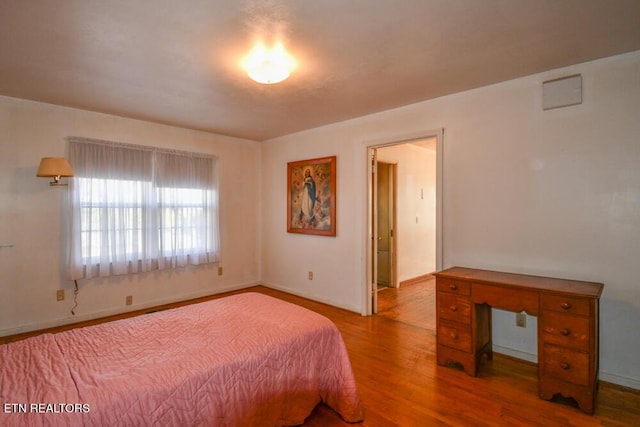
(246, 359)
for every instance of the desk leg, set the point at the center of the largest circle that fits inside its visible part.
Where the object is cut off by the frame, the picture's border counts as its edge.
(483, 344)
(584, 396)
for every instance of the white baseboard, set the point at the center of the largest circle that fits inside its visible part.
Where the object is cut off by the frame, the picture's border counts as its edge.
(529, 357)
(620, 380)
(105, 313)
(311, 297)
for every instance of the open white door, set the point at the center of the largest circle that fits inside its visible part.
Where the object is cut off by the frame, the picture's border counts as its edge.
(374, 232)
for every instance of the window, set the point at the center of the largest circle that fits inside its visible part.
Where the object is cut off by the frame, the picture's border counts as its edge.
(137, 209)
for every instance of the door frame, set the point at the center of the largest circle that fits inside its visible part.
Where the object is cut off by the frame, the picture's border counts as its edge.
(370, 291)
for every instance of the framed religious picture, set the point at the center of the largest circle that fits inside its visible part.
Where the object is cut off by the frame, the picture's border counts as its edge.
(311, 196)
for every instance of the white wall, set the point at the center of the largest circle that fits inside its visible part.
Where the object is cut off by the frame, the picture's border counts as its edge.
(552, 193)
(32, 218)
(287, 257)
(416, 208)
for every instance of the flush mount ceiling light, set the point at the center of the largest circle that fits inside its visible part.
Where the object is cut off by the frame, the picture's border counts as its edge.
(269, 66)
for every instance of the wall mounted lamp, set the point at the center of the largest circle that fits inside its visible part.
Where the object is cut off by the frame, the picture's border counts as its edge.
(56, 168)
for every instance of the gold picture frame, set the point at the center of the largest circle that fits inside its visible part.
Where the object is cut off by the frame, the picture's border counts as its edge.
(311, 196)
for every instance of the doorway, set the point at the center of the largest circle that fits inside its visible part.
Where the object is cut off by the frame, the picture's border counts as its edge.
(404, 211)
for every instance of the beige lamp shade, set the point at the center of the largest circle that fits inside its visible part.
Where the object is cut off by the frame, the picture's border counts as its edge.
(54, 167)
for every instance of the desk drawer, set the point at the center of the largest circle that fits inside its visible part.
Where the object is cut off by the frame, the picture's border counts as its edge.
(454, 336)
(566, 365)
(453, 286)
(565, 330)
(506, 298)
(453, 307)
(564, 304)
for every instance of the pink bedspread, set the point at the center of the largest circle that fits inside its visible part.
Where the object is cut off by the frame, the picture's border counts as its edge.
(243, 360)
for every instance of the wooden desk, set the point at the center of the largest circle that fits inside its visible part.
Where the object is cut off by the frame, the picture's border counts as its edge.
(567, 313)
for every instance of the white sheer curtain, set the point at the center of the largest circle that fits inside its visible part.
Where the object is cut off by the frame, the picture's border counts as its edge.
(136, 209)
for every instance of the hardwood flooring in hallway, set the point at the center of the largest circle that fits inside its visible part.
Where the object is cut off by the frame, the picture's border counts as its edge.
(414, 304)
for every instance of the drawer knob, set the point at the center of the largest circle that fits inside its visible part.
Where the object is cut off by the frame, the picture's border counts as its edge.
(565, 332)
(454, 335)
(454, 308)
(453, 287)
(565, 305)
(565, 366)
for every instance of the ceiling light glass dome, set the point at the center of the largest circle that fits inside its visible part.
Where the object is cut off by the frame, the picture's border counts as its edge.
(268, 66)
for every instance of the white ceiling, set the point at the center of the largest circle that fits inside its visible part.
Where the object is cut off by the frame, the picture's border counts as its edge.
(177, 62)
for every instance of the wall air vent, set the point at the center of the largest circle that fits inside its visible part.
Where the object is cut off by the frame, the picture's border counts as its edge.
(562, 92)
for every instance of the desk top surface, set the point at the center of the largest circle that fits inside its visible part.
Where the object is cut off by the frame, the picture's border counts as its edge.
(577, 287)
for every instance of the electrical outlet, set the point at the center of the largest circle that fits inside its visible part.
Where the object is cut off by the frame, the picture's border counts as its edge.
(219, 271)
(129, 300)
(311, 275)
(60, 295)
(521, 319)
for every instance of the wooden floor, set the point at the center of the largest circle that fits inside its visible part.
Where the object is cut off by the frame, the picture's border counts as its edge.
(400, 384)
(414, 304)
